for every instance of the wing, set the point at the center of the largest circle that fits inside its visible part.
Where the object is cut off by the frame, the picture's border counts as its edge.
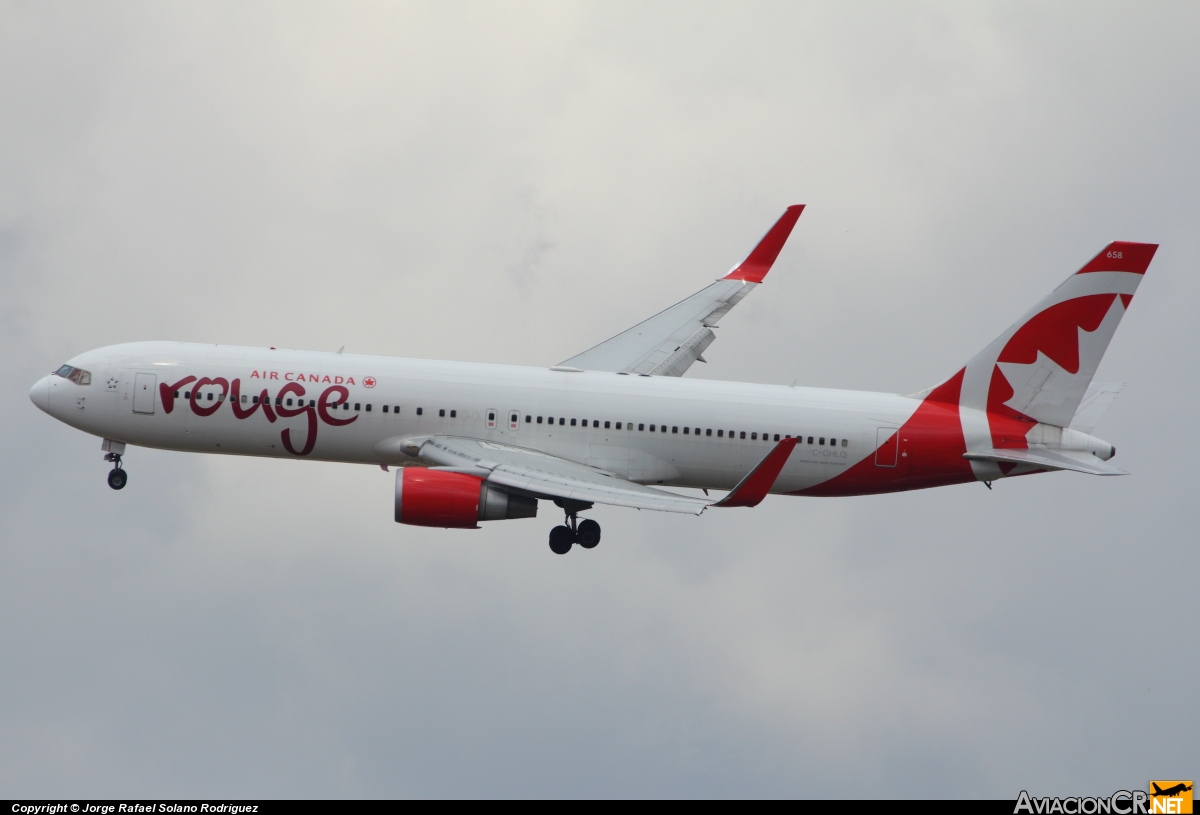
(669, 342)
(545, 475)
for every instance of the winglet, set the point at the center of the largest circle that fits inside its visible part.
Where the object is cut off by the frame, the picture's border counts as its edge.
(755, 486)
(756, 265)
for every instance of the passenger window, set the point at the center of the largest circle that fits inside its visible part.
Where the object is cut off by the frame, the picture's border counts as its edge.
(244, 398)
(346, 405)
(358, 405)
(674, 428)
(562, 421)
(641, 426)
(420, 411)
(254, 399)
(385, 408)
(651, 428)
(176, 394)
(720, 434)
(753, 437)
(491, 416)
(395, 408)
(596, 423)
(845, 442)
(822, 441)
(539, 421)
(743, 434)
(618, 425)
(606, 425)
(833, 442)
(527, 418)
(454, 414)
(686, 430)
(810, 440)
(776, 437)
(442, 413)
(572, 423)
(289, 402)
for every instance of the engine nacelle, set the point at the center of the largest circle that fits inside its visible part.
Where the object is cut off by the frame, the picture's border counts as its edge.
(426, 497)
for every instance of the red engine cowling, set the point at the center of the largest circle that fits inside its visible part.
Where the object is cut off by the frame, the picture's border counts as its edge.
(427, 497)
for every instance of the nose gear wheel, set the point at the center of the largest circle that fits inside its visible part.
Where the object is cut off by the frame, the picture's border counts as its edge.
(117, 477)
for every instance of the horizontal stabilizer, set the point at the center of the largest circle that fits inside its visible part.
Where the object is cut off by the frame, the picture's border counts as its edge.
(1077, 460)
(1098, 398)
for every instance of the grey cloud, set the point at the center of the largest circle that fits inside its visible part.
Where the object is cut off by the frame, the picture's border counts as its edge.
(377, 177)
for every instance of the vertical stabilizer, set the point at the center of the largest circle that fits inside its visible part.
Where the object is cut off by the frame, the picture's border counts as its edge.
(1038, 371)
(1040, 368)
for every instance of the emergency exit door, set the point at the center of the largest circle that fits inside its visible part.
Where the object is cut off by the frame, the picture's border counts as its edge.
(143, 393)
(887, 446)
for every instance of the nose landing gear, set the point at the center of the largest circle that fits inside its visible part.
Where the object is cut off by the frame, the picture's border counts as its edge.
(586, 533)
(117, 477)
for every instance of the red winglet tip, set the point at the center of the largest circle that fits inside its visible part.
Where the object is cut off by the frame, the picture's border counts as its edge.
(756, 265)
(758, 483)
(1122, 256)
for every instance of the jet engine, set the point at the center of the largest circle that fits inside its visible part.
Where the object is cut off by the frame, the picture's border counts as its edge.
(426, 497)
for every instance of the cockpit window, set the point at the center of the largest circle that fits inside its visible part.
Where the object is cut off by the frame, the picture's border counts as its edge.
(76, 375)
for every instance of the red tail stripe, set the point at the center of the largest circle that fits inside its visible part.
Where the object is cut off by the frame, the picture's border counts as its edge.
(1122, 256)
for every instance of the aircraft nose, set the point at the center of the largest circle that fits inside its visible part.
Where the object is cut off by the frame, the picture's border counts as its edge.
(39, 394)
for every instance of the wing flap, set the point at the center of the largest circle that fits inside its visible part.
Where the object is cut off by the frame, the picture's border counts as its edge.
(550, 476)
(678, 361)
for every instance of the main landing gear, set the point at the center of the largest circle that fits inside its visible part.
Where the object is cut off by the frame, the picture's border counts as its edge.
(586, 532)
(117, 477)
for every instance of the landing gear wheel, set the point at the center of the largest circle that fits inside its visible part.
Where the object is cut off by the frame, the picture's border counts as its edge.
(589, 534)
(561, 540)
(117, 478)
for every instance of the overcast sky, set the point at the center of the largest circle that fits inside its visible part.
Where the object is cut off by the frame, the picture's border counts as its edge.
(514, 182)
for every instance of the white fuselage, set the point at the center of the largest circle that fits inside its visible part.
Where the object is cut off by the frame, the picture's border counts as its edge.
(354, 408)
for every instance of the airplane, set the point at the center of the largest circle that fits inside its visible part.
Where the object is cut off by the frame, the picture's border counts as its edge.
(1170, 792)
(618, 424)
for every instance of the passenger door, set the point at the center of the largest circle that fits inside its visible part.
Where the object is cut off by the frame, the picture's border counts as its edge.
(144, 386)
